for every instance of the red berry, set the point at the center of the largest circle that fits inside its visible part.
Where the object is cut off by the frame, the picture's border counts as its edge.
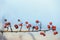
(53, 28)
(36, 27)
(26, 22)
(42, 34)
(21, 24)
(37, 21)
(55, 33)
(16, 26)
(8, 23)
(48, 26)
(27, 27)
(50, 23)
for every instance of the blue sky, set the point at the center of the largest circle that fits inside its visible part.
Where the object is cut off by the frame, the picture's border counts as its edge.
(43, 10)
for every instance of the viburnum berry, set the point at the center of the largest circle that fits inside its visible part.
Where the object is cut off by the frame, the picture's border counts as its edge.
(37, 21)
(42, 33)
(8, 23)
(26, 22)
(16, 26)
(50, 23)
(36, 27)
(48, 27)
(21, 24)
(27, 27)
(53, 28)
(55, 33)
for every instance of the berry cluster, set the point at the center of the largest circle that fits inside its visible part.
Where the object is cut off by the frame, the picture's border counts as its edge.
(53, 28)
(34, 27)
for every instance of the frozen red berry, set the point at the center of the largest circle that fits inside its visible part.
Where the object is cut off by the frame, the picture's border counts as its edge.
(36, 27)
(53, 28)
(16, 26)
(55, 33)
(27, 27)
(48, 27)
(50, 23)
(8, 23)
(41, 33)
(26, 22)
(21, 24)
(37, 21)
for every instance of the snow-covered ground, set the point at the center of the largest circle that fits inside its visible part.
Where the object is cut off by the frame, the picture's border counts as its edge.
(28, 36)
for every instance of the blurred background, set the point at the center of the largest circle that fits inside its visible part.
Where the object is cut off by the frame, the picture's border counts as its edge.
(30, 10)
